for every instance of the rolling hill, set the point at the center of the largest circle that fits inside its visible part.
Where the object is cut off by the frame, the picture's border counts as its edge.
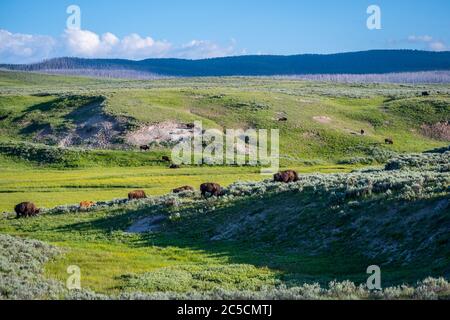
(365, 62)
(323, 120)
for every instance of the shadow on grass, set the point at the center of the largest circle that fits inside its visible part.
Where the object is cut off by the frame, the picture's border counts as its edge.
(263, 246)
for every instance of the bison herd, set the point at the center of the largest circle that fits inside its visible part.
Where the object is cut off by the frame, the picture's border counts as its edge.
(209, 189)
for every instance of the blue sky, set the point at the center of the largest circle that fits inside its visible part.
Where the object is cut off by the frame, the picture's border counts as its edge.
(31, 30)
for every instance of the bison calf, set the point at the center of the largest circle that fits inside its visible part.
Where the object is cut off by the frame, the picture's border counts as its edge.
(137, 194)
(182, 189)
(86, 204)
(286, 176)
(212, 189)
(26, 209)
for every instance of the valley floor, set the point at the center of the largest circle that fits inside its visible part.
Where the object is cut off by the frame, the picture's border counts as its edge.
(49, 187)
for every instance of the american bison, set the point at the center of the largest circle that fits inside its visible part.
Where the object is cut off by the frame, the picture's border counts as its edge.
(144, 148)
(26, 209)
(363, 132)
(137, 194)
(165, 158)
(182, 189)
(388, 141)
(190, 125)
(286, 176)
(86, 204)
(174, 166)
(283, 119)
(425, 94)
(213, 189)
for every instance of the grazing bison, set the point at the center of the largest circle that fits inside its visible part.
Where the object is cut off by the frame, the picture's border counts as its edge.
(212, 189)
(283, 119)
(388, 141)
(165, 158)
(286, 176)
(425, 94)
(363, 132)
(182, 189)
(26, 209)
(174, 166)
(137, 194)
(190, 125)
(144, 148)
(86, 204)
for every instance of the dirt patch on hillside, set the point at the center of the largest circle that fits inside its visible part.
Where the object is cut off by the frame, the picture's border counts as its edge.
(97, 132)
(438, 131)
(168, 132)
(93, 128)
(148, 224)
(322, 119)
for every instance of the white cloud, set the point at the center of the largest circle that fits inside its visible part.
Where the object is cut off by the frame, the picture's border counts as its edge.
(425, 38)
(429, 42)
(24, 47)
(136, 47)
(84, 43)
(437, 46)
(205, 49)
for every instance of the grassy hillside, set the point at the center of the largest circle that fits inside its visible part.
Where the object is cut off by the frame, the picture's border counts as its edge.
(323, 126)
(266, 234)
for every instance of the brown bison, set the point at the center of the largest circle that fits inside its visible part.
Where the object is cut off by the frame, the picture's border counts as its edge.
(363, 132)
(182, 189)
(86, 204)
(213, 189)
(286, 176)
(425, 94)
(388, 141)
(26, 209)
(283, 119)
(137, 194)
(165, 158)
(174, 166)
(144, 148)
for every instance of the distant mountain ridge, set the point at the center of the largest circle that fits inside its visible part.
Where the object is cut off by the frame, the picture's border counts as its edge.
(363, 62)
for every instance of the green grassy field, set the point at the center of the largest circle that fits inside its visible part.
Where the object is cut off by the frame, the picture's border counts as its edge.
(265, 240)
(51, 187)
(321, 135)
